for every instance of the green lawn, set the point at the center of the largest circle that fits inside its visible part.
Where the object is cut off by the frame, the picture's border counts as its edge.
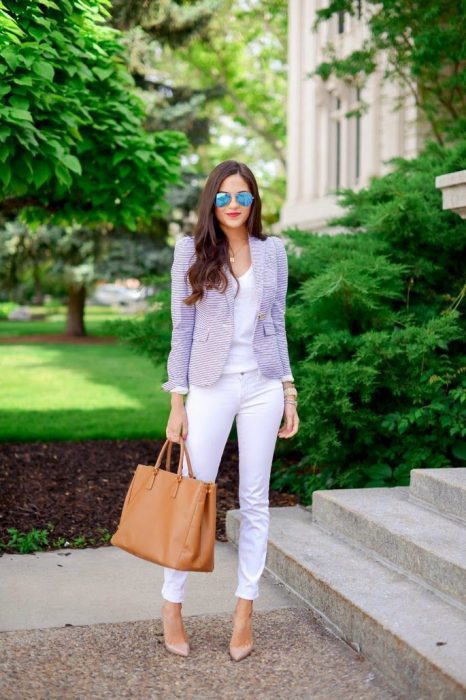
(55, 322)
(77, 392)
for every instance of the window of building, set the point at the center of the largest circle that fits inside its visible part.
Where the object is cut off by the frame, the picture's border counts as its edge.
(341, 21)
(335, 144)
(338, 150)
(357, 145)
(344, 140)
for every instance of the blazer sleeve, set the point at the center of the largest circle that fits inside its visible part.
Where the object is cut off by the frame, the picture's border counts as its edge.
(279, 307)
(182, 319)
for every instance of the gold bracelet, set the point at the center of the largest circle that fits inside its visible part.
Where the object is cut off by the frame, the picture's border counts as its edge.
(290, 391)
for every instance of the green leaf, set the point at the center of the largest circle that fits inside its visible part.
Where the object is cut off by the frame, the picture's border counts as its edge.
(5, 132)
(103, 73)
(5, 173)
(63, 175)
(459, 449)
(41, 173)
(50, 4)
(12, 58)
(44, 69)
(159, 159)
(56, 148)
(21, 114)
(27, 138)
(23, 80)
(72, 163)
(143, 155)
(9, 26)
(119, 156)
(4, 153)
(379, 471)
(19, 101)
(37, 32)
(22, 165)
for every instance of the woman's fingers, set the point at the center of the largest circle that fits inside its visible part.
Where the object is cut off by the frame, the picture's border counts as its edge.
(290, 425)
(173, 434)
(177, 425)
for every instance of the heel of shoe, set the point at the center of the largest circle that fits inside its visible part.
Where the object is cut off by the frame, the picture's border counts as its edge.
(179, 648)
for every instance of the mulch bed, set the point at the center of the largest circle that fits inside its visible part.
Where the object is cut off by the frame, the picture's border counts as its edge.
(80, 487)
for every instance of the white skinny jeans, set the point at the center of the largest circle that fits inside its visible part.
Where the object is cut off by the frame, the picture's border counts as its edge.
(258, 403)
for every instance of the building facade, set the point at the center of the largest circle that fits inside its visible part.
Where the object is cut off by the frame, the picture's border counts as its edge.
(327, 150)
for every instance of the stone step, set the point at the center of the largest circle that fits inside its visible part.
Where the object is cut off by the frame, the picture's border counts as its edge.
(442, 489)
(413, 635)
(417, 540)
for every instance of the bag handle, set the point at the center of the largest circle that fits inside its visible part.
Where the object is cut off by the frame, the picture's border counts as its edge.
(183, 450)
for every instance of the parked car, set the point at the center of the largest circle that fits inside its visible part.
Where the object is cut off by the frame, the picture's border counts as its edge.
(114, 294)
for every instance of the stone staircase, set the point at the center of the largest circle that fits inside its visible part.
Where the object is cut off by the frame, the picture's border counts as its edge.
(386, 569)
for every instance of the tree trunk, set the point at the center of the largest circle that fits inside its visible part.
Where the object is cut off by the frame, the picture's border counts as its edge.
(75, 320)
(38, 291)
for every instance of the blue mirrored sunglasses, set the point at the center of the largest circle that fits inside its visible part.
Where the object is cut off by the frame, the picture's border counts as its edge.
(244, 199)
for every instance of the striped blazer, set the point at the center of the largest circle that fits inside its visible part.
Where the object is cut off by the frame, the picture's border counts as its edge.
(202, 332)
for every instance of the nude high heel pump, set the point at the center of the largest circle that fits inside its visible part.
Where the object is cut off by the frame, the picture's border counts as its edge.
(180, 648)
(240, 652)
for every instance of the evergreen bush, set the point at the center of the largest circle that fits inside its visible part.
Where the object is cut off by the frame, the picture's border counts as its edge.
(376, 334)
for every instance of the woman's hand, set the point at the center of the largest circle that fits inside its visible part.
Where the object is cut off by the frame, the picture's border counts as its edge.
(177, 420)
(290, 423)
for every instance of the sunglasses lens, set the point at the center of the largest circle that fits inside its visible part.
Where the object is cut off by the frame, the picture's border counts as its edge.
(244, 198)
(222, 199)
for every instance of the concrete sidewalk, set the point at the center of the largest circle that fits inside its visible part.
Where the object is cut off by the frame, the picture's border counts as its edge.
(106, 584)
(79, 624)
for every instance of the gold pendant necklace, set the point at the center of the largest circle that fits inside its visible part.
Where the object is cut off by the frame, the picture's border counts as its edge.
(232, 257)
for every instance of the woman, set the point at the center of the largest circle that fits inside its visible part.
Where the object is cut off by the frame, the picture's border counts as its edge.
(229, 355)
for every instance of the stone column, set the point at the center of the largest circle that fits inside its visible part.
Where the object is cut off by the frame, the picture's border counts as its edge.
(295, 101)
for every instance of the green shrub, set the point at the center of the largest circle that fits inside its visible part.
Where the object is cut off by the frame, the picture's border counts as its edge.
(6, 307)
(376, 335)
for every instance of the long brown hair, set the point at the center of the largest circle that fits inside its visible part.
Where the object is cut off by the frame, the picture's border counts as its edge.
(210, 242)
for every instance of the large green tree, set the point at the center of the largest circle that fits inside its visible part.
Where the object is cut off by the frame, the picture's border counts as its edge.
(73, 147)
(156, 37)
(218, 72)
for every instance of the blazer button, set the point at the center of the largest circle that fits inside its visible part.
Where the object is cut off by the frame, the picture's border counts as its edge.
(261, 315)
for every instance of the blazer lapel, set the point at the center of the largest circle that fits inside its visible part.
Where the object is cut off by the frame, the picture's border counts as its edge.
(257, 248)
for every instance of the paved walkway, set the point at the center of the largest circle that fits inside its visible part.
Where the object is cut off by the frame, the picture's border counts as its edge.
(79, 624)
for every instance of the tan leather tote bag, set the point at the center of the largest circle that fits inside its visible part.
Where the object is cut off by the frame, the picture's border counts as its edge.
(169, 518)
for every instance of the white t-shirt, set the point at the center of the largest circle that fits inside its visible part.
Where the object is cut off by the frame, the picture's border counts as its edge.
(241, 357)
